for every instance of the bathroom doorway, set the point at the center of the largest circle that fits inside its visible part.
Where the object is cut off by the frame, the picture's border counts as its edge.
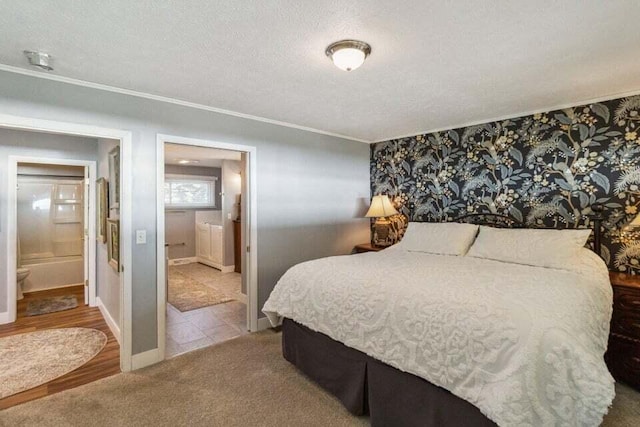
(51, 259)
(54, 229)
(206, 243)
(113, 311)
(206, 299)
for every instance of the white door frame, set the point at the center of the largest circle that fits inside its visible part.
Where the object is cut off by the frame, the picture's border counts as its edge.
(250, 204)
(125, 138)
(12, 236)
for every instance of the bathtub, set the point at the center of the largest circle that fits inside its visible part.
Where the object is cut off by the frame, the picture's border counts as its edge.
(49, 273)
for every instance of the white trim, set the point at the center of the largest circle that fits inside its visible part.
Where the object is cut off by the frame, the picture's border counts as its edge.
(12, 224)
(213, 264)
(144, 359)
(5, 317)
(251, 207)
(264, 323)
(227, 268)
(182, 261)
(99, 86)
(125, 138)
(115, 330)
(517, 115)
(240, 297)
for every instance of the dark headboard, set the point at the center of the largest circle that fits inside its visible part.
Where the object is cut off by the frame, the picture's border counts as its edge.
(503, 221)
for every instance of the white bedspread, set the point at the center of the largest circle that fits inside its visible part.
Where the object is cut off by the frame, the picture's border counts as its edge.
(523, 344)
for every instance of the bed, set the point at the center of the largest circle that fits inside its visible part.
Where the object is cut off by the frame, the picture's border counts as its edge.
(417, 338)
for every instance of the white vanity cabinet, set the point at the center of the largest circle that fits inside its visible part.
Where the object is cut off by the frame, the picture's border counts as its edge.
(209, 242)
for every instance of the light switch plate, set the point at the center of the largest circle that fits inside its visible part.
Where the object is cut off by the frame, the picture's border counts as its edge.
(228, 216)
(141, 237)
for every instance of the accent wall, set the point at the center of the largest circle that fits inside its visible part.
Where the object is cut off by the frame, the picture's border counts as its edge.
(546, 169)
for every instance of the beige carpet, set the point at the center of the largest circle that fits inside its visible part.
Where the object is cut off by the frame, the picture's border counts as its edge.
(187, 293)
(28, 360)
(242, 382)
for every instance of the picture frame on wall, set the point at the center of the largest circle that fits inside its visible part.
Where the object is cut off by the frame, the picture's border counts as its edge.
(114, 178)
(102, 209)
(113, 243)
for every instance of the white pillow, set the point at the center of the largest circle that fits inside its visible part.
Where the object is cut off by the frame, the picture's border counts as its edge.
(538, 247)
(445, 238)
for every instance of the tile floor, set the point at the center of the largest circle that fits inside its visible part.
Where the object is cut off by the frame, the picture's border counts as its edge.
(208, 325)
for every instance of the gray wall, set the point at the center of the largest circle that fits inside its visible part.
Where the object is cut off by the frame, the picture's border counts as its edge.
(33, 144)
(310, 186)
(108, 280)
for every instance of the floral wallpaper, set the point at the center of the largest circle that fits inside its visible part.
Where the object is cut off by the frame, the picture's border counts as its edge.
(546, 170)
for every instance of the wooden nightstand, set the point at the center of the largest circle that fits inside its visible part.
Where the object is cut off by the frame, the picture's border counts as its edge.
(623, 355)
(367, 247)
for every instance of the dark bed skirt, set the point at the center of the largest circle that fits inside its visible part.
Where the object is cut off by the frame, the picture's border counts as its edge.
(366, 386)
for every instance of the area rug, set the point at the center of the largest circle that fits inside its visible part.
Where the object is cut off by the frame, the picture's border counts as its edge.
(31, 359)
(186, 293)
(51, 305)
(241, 382)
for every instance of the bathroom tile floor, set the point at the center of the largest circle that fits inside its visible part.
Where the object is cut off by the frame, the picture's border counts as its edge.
(106, 363)
(190, 330)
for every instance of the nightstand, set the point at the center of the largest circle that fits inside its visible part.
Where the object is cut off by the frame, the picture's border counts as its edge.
(623, 355)
(367, 247)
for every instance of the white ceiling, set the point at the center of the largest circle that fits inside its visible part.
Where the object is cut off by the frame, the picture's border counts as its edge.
(210, 157)
(434, 64)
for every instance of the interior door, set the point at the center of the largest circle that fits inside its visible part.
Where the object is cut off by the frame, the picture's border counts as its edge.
(85, 236)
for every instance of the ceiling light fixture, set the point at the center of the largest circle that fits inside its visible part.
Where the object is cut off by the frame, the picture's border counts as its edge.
(348, 54)
(187, 161)
(39, 59)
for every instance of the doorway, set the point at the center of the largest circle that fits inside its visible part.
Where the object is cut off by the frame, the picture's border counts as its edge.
(121, 138)
(55, 227)
(51, 213)
(206, 242)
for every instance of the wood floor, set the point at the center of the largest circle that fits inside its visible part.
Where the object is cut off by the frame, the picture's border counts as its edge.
(105, 364)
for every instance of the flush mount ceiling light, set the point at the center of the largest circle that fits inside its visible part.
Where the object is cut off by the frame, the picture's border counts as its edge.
(39, 59)
(188, 162)
(348, 54)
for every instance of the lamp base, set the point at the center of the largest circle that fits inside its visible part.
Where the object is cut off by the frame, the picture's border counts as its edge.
(381, 236)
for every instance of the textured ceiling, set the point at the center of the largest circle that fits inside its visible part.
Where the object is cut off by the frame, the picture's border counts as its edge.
(434, 64)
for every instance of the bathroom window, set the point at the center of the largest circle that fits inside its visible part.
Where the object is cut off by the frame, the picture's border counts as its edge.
(189, 192)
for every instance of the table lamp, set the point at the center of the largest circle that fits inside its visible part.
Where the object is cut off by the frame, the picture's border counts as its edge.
(380, 209)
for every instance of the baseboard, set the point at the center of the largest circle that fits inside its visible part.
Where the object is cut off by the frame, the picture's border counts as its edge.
(115, 330)
(180, 261)
(227, 268)
(222, 268)
(210, 263)
(5, 317)
(147, 358)
(263, 323)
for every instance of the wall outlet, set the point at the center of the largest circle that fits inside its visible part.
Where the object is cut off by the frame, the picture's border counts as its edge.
(141, 237)
(228, 216)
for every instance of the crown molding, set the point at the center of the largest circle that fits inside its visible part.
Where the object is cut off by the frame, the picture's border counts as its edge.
(518, 115)
(108, 88)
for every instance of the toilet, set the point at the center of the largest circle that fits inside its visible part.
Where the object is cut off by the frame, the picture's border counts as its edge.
(21, 273)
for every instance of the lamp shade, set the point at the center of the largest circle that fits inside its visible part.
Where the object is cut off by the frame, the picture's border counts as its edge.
(380, 207)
